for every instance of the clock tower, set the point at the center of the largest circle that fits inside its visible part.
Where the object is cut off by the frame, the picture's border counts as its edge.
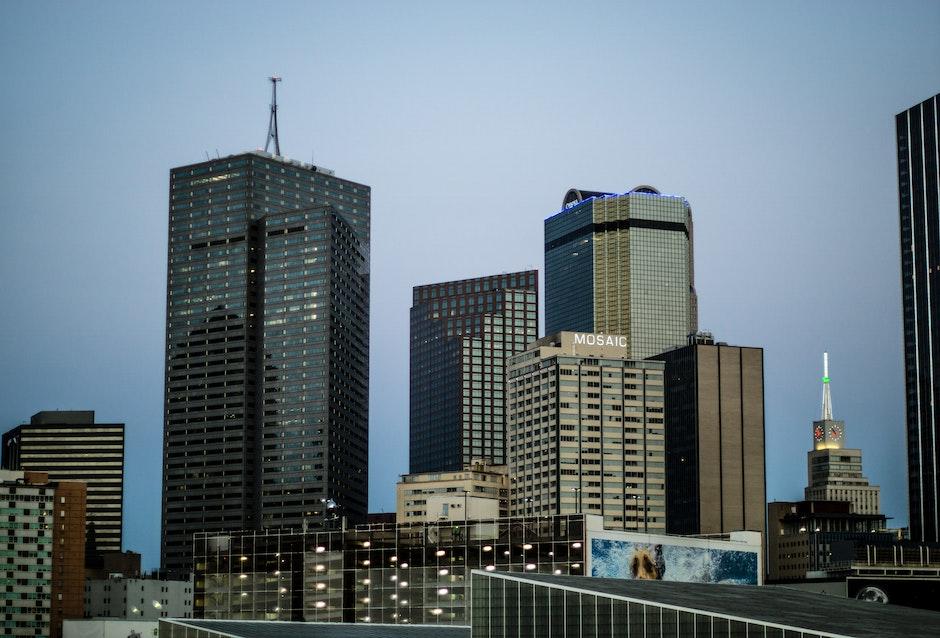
(828, 434)
(833, 470)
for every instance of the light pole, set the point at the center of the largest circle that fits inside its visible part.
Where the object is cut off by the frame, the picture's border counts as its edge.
(577, 499)
(466, 493)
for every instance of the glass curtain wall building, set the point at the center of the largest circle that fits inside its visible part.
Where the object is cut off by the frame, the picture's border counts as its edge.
(461, 334)
(382, 573)
(266, 404)
(919, 195)
(622, 264)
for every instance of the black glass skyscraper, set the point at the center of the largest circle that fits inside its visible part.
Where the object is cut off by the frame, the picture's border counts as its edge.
(266, 404)
(461, 335)
(919, 195)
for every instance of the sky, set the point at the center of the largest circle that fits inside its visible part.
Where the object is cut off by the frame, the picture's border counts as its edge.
(469, 121)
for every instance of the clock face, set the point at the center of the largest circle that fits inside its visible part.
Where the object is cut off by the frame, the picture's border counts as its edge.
(835, 432)
(818, 432)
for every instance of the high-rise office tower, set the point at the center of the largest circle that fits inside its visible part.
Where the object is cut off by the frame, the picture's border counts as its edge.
(715, 471)
(461, 334)
(586, 432)
(919, 194)
(70, 446)
(834, 472)
(622, 264)
(267, 338)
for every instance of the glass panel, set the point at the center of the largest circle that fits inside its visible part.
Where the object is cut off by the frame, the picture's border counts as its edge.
(588, 616)
(604, 618)
(557, 614)
(703, 626)
(542, 612)
(512, 608)
(652, 621)
(755, 631)
(636, 621)
(738, 629)
(670, 623)
(572, 614)
(526, 622)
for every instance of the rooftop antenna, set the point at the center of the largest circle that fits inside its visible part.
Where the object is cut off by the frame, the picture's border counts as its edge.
(827, 397)
(272, 123)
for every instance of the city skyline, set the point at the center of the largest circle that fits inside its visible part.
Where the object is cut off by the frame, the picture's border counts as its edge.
(777, 125)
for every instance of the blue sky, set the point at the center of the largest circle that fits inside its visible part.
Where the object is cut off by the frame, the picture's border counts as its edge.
(470, 122)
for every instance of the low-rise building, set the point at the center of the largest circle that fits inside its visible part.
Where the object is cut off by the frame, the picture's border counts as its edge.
(138, 598)
(419, 573)
(43, 561)
(478, 491)
(808, 537)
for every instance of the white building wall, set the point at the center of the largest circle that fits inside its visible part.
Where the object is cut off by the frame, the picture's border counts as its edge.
(138, 598)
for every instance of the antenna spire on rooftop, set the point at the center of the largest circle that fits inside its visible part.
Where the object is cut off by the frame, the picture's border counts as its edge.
(827, 396)
(272, 123)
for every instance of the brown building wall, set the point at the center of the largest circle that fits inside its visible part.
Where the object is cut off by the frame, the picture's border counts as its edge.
(709, 442)
(755, 487)
(68, 554)
(732, 453)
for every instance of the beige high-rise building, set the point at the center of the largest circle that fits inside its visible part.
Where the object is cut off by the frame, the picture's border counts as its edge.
(834, 472)
(586, 431)
(479, 491)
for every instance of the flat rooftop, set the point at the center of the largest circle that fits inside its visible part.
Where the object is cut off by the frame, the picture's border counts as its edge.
(814, 613)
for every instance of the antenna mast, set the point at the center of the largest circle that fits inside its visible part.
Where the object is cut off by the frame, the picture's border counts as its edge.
(827, 396)
(272, 123)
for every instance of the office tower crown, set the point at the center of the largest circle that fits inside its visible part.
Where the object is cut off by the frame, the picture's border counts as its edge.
(622, 264)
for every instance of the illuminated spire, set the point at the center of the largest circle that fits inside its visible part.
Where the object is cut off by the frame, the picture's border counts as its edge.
(827, 397)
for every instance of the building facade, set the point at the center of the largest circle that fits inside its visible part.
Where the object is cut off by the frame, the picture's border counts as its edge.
(834, 472)
(266, 402)
(43, 562)
(919, 195)
(390, 574)
(479, 491)
(817, 536)
(461, 334)
(715, 472)
(70, 446)
(586, 431)
(420, 573)
(138, 598)
(622, 264)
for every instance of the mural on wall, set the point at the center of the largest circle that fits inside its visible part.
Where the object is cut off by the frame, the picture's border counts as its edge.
(660, 561)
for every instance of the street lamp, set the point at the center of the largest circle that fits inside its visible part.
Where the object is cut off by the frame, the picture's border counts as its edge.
(577, 497)
(466, 493)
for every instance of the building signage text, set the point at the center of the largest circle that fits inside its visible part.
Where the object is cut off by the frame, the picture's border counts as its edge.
(581, 338)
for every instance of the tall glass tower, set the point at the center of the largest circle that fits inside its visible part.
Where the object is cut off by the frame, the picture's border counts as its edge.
(267, 349)
(461, 335)
(622, 264)
(919, 195)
